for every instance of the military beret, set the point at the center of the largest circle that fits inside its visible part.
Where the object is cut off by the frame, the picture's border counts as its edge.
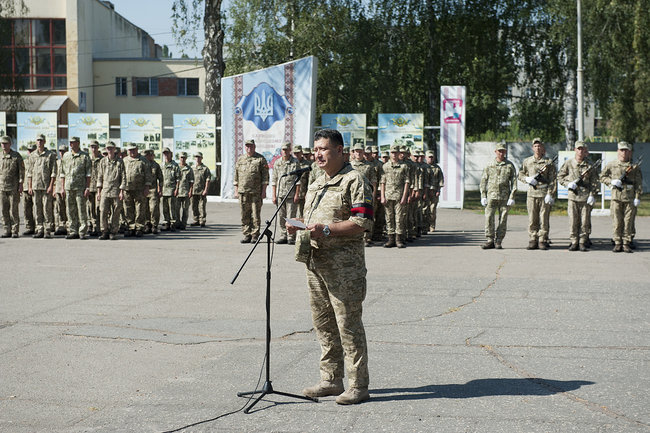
(40, 137)
(624, 145)
(198, 155)
(75, 138)
(297, 148)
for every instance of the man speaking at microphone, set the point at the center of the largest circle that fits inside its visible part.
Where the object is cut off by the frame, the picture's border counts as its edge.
(338, 209)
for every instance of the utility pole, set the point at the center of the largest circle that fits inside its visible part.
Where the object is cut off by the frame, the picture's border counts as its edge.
(581, 115)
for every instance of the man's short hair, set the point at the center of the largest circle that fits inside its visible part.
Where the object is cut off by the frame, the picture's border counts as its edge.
(332, 135)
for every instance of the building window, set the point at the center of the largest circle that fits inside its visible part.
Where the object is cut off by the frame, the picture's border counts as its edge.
(146, 86)
(188, 87)
(120, 86)
(38, 53)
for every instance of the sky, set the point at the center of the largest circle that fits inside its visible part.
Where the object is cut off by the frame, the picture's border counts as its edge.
(154, 17)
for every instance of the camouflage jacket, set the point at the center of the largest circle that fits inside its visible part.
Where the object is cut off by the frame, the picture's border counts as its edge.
(315, 172)
(415, 177)
(571, 171)
(366, 169)
(499, 180)
(12, 171)
(280, 168)
(632, 183)
(438, 178)
(58, 185)
(42, 168)
(171, 176)
(156, 178)
(547, 184)
(186, 180)
(395, 176)
(304, 180)
(94, 164)
(111, 176)
(75, 170)
(201, 177)
(138, 174)
(251, 172)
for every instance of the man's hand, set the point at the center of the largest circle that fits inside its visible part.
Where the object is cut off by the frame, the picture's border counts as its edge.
(20, 188)
(617, 183)
(483, 201)
(531, 180)
(591, 200)
(274, 199)
(316, 230)
(572, 185)
(511, 202)
(86, 192)
(637, 202)
(548, 199)
(292, 229)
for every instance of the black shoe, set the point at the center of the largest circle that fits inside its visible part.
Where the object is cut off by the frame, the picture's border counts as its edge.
(29, 232)
(147, 230)
(60, 232)
(72, 236)
(246, 240)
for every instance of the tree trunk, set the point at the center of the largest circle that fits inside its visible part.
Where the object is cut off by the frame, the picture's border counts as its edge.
(570, 106)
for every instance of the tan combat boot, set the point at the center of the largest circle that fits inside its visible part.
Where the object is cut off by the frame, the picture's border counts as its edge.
(400, 241)
(325, 388)
(353, 396)
(391, 242)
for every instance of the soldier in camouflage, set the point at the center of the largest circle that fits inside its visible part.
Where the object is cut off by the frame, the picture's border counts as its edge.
(372, 153)
(368, 170)
(280, 185)
(12, 175)
(28, 198)
(111, 181)
(583, 187)
(304, 180)
(60, 213)
(92, 205)
(76, 172)
(437, 182)
(152, 201)
(251, 179)
(395, 191)
(185, 186)
(539, 173)
(171, 176)
(202, 179)
(136, 188)
(498, 188)
(41, 179)
(626, 182)
(338, 210)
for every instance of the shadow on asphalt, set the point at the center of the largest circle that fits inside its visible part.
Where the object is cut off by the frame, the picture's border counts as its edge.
(445, 238)
(480, 388)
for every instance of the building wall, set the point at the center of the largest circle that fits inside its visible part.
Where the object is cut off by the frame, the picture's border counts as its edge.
(105, 100)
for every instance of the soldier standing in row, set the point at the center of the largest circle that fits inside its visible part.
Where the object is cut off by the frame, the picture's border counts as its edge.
(498, 188)
(75, 176)
(41, 180)
(359, 163)
(376, 234)
(60, 212)
(626, 182)
(28, 198)
(395, 191)
(138, 182)
(280, 185)
(436, 183)
(304, 180)
(171, 176)
(12, 174)
(183, 197)
(251, 179)
(582, 183)
(93, 211)
(539, 173)
(152, 201)
(202, 179)
(111, 182)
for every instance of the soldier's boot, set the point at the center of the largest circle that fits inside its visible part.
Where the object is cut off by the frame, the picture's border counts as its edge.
(202, 224)
(584, 247)
(195, 223)
(573, 246)
(400, 241)
(15, 235)
(543, 245)
(29, 231)
(532, 245)
(60, 231)
(48, 234)
(353, 396)
(104, 236)
(39, 235)
(128, 233)
(147, 230)
(325, 388)
(587, 243)
(72, 236)
(112, 237)
(246, 239)
(627, 248)
(497, 244)
(138, 233)
(618, 248)
(488, 245)
(632, 244)
(391, 242)
(282, 240)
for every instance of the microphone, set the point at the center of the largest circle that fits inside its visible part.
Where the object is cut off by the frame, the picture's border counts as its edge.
(298, 172)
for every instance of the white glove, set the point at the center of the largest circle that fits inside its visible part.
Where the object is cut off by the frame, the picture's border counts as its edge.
(484, 201)
(591, 200)
(572, 185)
(511, 202)
(531, 180)
(617, 183)
(548, 199)
(637, 202)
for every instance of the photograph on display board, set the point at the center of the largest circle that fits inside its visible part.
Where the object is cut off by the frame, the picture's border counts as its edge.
(196, 133)
(144, 130)
(89, 127)
(3, 123)
(400, 129)
(31, 125)
(351, 126)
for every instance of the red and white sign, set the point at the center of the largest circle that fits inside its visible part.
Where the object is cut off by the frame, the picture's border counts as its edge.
(452, 145)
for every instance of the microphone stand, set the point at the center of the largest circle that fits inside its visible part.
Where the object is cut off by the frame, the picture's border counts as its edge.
(268, 388)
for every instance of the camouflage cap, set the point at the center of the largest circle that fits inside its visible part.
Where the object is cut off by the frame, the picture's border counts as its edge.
(183, 155)
(624, 145)
(430, 153)
(500, 146)
(386, 154)
(167, 150)
(297, 148)
(395, 148)
(346, 149)
(94, 143)
(581, 144)
(110, 144)
(131, 146)
(31, 147)
(357, 146)
(63, 147)
(198, 155)
(375, 149)
(286, 145)
(40, 137)
(148, 151)
(368, 149)
(306, 151)
(249, 142)
(537, 140)
(74, 139)
(405, 149)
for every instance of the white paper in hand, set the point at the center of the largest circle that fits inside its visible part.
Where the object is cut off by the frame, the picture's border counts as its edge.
(296, 223)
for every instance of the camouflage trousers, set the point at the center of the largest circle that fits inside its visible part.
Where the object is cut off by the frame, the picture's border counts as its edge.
(92, 208)
(490, 210)
(580, 220)
(152, 209)
(60, 213)
(109, 211)
(288, 209)
(250, 206)
(623, 213)
(395, 217)
(380, 219)
(169, 209)
(539, 215)
(300, 208)
(10, 200)
(134, 208)
(433, 211)
(182, 209)
(75, 203)
(44, 204)
(199, 213)
(28, 211)
(336, 304)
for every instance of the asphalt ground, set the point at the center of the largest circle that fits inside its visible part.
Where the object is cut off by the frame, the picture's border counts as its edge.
(148, 335)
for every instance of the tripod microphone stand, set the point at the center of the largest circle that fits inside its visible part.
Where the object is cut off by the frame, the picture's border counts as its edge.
(268, 388)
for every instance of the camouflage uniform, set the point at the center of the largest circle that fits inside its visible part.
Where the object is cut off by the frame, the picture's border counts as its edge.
(111, 178)
(185, 184)
(379, 224)
(578, 209)
(60, 213)
(282, 185)
(315, 172)
(538, 211)
(304, 182)
(42, 170)
(251, 172)
(201, 177)
(621, 205)
(171, 176)
(76, 172)
(336, 275)
(369, 171)
(28, 201)
(152, 201)
(498, 185)
(12, 173)
(92, 208)
(395, 176)
(437, 183)
(138, 176)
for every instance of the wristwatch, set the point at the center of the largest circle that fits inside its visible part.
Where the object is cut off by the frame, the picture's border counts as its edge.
(326, 230)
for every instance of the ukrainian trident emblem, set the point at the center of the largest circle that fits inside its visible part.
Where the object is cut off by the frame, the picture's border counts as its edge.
(263, 106)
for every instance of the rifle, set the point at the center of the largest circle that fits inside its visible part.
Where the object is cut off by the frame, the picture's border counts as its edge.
(581, 179)
(543, 170)
(627, 170)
